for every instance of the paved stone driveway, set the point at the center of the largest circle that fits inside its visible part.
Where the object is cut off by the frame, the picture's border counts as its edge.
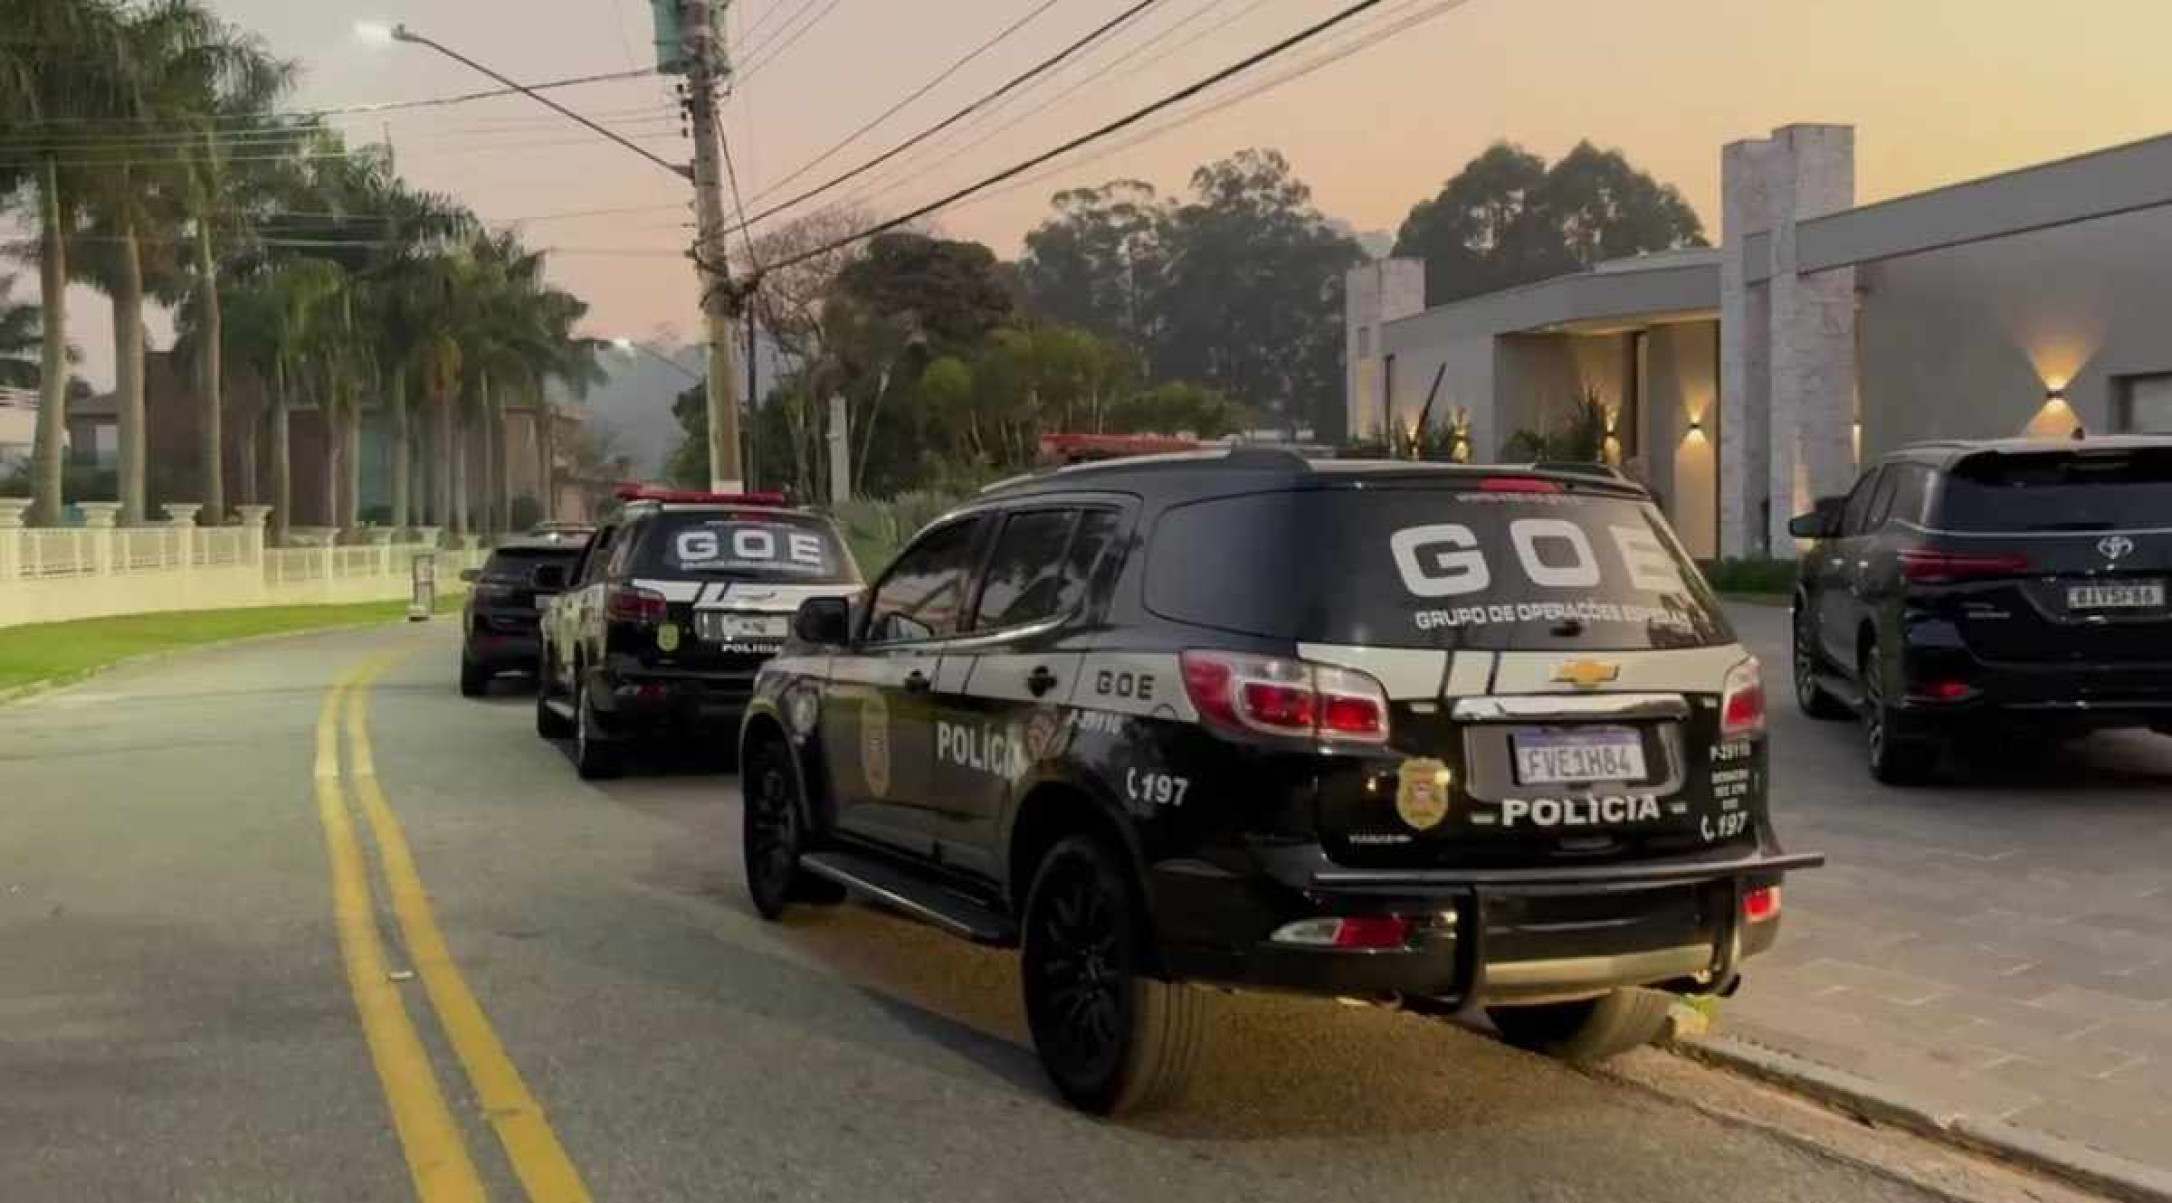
(2000, 943)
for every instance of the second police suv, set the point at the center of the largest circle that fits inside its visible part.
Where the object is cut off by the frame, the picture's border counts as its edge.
(1424, 733)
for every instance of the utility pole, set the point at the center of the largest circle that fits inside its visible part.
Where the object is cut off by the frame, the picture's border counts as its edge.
(702, 38)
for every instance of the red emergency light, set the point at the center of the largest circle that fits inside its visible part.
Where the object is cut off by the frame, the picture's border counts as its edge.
(1080, 448)
(697, 496)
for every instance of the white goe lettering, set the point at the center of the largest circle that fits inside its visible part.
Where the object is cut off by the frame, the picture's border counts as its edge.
(1430, 571)
(1651, 569)
(1581, 573)
(753, 543)
(696, 546)
(804, 548)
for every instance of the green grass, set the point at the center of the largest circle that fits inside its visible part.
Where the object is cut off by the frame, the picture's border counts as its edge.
(54, 652)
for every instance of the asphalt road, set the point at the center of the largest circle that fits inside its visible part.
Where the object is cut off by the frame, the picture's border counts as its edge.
(177, 1020)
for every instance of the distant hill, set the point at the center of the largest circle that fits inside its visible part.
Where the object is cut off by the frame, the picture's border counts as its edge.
(631, 411)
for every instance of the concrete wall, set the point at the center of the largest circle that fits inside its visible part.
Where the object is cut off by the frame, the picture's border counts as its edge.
(1681, 392)
(1467, 383)
(1966, 341)
(1373, 295)
(1540, 378)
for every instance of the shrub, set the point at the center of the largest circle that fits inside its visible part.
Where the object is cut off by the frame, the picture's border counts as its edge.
(1750, 575)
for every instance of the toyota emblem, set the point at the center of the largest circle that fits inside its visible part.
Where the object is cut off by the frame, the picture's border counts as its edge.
(2115, 546)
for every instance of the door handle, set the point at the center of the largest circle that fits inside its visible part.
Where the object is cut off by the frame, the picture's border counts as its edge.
(1040, 680)
(916, 682)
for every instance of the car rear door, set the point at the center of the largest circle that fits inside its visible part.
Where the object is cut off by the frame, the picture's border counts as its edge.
(877, 718)
(2057, 558)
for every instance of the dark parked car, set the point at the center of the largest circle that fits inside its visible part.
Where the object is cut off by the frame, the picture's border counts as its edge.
(1444, 735)
(2014, 588)
(671, 610)
(506, 594)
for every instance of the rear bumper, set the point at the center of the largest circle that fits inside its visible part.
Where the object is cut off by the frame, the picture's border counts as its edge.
(635, 701)
(500, 651)
(2064, 695)
(1495, 936)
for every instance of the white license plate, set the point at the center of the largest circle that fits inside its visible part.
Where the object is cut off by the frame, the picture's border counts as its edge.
(730, 628)
(2138, 595)
(1589, 754)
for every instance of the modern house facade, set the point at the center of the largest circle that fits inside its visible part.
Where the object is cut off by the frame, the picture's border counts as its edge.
(1744, 380)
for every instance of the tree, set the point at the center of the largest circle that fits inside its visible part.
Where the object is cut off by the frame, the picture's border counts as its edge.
(1096, 263)
(20, 336)
(1251, 295)
(1508, 219)
(57, 67)
(276, 315)
(951, 292)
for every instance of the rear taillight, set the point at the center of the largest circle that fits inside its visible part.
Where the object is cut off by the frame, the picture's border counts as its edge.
(1286, 697)
(1926, 567)
(1742, 701)
(1519, 484)
(625, 603)
(1761, 904)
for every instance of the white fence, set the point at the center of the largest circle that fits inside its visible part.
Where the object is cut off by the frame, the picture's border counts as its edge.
(100, 569)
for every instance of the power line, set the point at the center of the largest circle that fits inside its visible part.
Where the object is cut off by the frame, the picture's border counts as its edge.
(388, 106)
(1362, 41)
(916, 94)
(1129, 119)
(1108, 71)
(784, 35)
(778, 48)
(1037, 69)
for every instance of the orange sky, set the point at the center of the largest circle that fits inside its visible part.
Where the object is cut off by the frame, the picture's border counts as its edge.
(1939, 90)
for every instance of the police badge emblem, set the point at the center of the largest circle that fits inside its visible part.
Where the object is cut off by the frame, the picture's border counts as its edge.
(1421, 792)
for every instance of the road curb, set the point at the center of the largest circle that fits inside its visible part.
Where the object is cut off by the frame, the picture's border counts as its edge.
(1876, 1102)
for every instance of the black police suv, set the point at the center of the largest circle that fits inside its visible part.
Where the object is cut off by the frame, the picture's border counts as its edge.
(2014, 588)
(505, 599)
(672, 609)
(1431, 733)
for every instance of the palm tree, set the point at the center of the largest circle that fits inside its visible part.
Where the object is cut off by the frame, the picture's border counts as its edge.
(58, 67)
(275, 319)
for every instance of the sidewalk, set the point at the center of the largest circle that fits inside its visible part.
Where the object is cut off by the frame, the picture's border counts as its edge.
(1998, 946)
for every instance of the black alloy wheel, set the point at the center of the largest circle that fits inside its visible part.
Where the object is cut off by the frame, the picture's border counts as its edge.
(770, 832)
(1810, 696)
(1111, 1039)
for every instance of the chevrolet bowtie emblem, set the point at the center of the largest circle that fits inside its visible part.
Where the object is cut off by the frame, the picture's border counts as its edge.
(1586, 674)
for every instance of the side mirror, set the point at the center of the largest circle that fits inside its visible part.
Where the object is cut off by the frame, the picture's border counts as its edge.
(549, 578)
(471, 575)
(1823, 522)
(824, 621)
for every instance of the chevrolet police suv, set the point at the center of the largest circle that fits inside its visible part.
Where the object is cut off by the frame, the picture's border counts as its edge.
(1424, 734)
(670, 612)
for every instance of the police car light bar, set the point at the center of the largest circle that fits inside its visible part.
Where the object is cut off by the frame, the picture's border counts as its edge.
(697, 496)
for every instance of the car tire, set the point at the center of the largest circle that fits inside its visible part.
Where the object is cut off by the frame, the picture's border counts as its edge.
(474, 679)
(595, 756)
(548, 722)
(1588, 1030)
(1893, 760)
(1112, 1039)
(1811, 697)
(773, 833)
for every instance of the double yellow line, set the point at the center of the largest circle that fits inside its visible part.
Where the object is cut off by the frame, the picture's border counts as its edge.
(437, 1156)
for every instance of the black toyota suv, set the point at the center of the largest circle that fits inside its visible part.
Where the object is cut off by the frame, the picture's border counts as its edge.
(672, 609)
(2012, 588)
(506, 596)
(1433, 734)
